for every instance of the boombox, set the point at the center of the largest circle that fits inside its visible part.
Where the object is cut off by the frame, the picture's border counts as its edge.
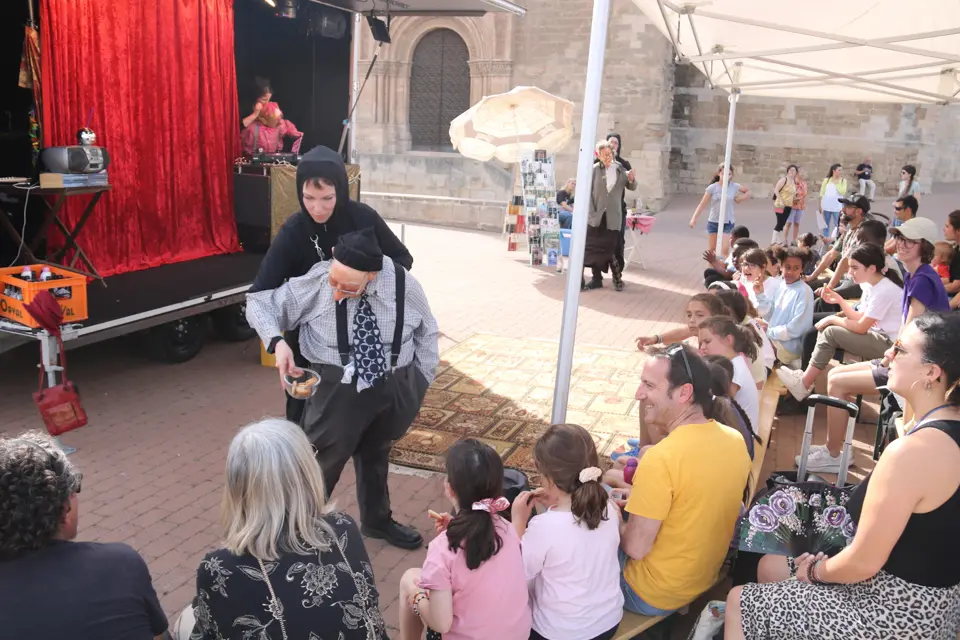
(76, 159)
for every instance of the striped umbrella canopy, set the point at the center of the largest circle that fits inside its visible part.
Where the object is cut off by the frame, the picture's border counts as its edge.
(509, 125)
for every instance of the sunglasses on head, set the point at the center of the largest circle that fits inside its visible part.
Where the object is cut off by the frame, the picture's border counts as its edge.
(672, 351)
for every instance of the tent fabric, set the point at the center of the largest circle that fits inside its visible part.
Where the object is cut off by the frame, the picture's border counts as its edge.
(854, 50)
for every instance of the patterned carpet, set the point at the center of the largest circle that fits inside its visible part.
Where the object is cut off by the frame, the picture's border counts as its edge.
(500, 390)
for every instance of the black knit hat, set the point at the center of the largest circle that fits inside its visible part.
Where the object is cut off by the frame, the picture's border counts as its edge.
(359, 250)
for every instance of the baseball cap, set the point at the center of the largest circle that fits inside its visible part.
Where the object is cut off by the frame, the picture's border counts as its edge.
(862, 203)
(918, 229)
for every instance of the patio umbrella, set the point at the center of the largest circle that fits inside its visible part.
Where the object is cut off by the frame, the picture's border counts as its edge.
(508, 125)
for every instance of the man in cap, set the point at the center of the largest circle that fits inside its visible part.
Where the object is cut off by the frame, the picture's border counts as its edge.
(309, 235)
(373, 381)
(855, 211)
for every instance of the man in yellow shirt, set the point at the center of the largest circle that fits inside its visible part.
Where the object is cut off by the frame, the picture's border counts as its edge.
(687, 489)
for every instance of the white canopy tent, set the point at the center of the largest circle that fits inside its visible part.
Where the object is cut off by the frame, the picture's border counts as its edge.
(853, 50)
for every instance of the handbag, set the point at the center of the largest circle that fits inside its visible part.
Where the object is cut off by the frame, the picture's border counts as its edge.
(60, 406)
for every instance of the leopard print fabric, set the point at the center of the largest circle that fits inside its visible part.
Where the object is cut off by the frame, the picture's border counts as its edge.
(884, 607)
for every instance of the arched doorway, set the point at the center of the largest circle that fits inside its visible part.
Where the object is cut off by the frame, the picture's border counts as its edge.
(439, 88)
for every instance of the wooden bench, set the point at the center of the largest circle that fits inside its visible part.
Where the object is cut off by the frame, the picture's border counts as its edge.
(634, 624)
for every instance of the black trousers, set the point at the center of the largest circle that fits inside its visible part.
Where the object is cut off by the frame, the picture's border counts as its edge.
(343, 423)
(622, 242)
(782, 218)
(810, 338)
(711, 275)
(606, 635)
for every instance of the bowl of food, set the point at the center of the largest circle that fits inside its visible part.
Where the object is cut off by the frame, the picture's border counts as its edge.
(302, 386)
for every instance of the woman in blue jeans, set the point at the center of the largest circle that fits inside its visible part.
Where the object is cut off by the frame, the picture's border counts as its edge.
(736, 193)
(833, 188)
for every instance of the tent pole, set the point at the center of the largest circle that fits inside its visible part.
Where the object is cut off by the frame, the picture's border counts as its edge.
(734, 96)
(33, 23)
(355, 93)
(588, 138)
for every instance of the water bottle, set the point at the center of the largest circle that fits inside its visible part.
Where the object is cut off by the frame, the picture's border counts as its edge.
(26, 274)
(46, 274)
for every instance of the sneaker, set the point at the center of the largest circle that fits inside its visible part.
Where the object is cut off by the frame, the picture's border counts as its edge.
(813, 447)
(792, 379)
(821, 461)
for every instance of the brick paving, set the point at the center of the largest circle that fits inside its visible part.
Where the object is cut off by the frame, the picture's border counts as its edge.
(154, 451)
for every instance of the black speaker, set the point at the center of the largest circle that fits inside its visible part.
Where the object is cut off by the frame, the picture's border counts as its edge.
(379, 29)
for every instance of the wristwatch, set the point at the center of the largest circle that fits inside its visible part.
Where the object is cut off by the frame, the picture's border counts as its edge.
(272, 347)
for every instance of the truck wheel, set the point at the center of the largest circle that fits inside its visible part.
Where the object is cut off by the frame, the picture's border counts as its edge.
(231, 323)
(177, 341)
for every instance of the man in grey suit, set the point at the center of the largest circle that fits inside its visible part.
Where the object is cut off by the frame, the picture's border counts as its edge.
(605, 217)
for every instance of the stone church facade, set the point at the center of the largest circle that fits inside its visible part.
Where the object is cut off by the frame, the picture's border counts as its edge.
(673, 125)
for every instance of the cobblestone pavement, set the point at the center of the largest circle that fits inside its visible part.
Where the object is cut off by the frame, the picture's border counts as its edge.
(154, 451)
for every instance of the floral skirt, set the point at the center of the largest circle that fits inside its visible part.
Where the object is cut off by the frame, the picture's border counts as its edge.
(884, 607)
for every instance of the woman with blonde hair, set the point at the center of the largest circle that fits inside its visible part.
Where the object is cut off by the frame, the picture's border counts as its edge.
(290, 566)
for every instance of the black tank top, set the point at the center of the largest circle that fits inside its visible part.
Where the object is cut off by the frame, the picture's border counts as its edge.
(928, 551)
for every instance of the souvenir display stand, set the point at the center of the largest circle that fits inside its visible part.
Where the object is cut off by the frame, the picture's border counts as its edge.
(533, 218)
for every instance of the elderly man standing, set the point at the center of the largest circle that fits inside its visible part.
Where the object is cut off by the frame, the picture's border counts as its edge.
(689, 488)
(370, 390)
(605, 217)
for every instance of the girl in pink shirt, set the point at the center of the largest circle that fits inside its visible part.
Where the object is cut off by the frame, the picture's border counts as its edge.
(472, 585)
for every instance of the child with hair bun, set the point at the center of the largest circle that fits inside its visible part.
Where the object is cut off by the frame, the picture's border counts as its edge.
(570, 550)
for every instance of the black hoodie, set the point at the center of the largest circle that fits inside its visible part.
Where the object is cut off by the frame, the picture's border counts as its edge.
(302, 243)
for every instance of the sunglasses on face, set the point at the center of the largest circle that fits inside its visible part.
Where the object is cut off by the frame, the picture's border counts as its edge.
(895, 208)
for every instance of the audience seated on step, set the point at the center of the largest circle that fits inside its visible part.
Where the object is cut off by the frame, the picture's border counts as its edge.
(687, 490)
(570, 549)
(866, 331)
(723, 268)
(855, 211)
(52, 587)
(700, 307)
(759, 284)
(899, 575)
(723, 337)
(790, 311)
(472, 583)
(722, 387)
(745, 314)
(922, 291)
(291, 566)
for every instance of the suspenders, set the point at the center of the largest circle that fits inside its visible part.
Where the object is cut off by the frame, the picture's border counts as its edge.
(343, 344)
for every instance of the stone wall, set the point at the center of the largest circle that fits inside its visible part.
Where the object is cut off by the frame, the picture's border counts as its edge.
(552, 43)
(772, 133)
(436, 174)
(486, 215)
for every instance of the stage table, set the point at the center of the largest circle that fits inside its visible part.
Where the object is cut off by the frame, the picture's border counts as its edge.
(54, 199)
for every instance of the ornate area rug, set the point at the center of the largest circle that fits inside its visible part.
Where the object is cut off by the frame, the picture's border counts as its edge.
(500, 390)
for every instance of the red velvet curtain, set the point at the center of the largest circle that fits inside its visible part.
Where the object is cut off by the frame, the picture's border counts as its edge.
(160, 78)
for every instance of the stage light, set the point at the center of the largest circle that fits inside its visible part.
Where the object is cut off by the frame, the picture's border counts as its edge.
(379, 30)
(272, 3)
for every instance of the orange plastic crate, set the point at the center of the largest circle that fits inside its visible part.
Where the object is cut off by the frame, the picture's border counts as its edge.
(74, 308)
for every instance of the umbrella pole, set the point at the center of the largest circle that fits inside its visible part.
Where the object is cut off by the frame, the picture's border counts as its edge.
(734, 97)
(33, 23)
(588, 138)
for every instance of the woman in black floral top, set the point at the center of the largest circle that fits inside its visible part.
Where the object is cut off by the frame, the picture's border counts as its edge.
(289, 569)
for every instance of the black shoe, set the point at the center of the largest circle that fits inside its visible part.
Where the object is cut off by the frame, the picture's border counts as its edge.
(618, 284)
(395, 534)
(594, 284)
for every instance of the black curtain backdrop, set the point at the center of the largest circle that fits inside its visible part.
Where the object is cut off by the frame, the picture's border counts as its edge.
(309, 74)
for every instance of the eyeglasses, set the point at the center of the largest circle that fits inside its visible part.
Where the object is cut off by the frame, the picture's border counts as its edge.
(904, 241)
(683, 354)
(896, 208)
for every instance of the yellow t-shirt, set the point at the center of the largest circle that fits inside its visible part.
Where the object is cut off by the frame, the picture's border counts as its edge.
(693, 482)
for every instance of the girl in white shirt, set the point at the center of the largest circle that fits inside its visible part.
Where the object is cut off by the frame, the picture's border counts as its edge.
(867, 331)
(570, 550)
(723, 337)
(743, 313)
